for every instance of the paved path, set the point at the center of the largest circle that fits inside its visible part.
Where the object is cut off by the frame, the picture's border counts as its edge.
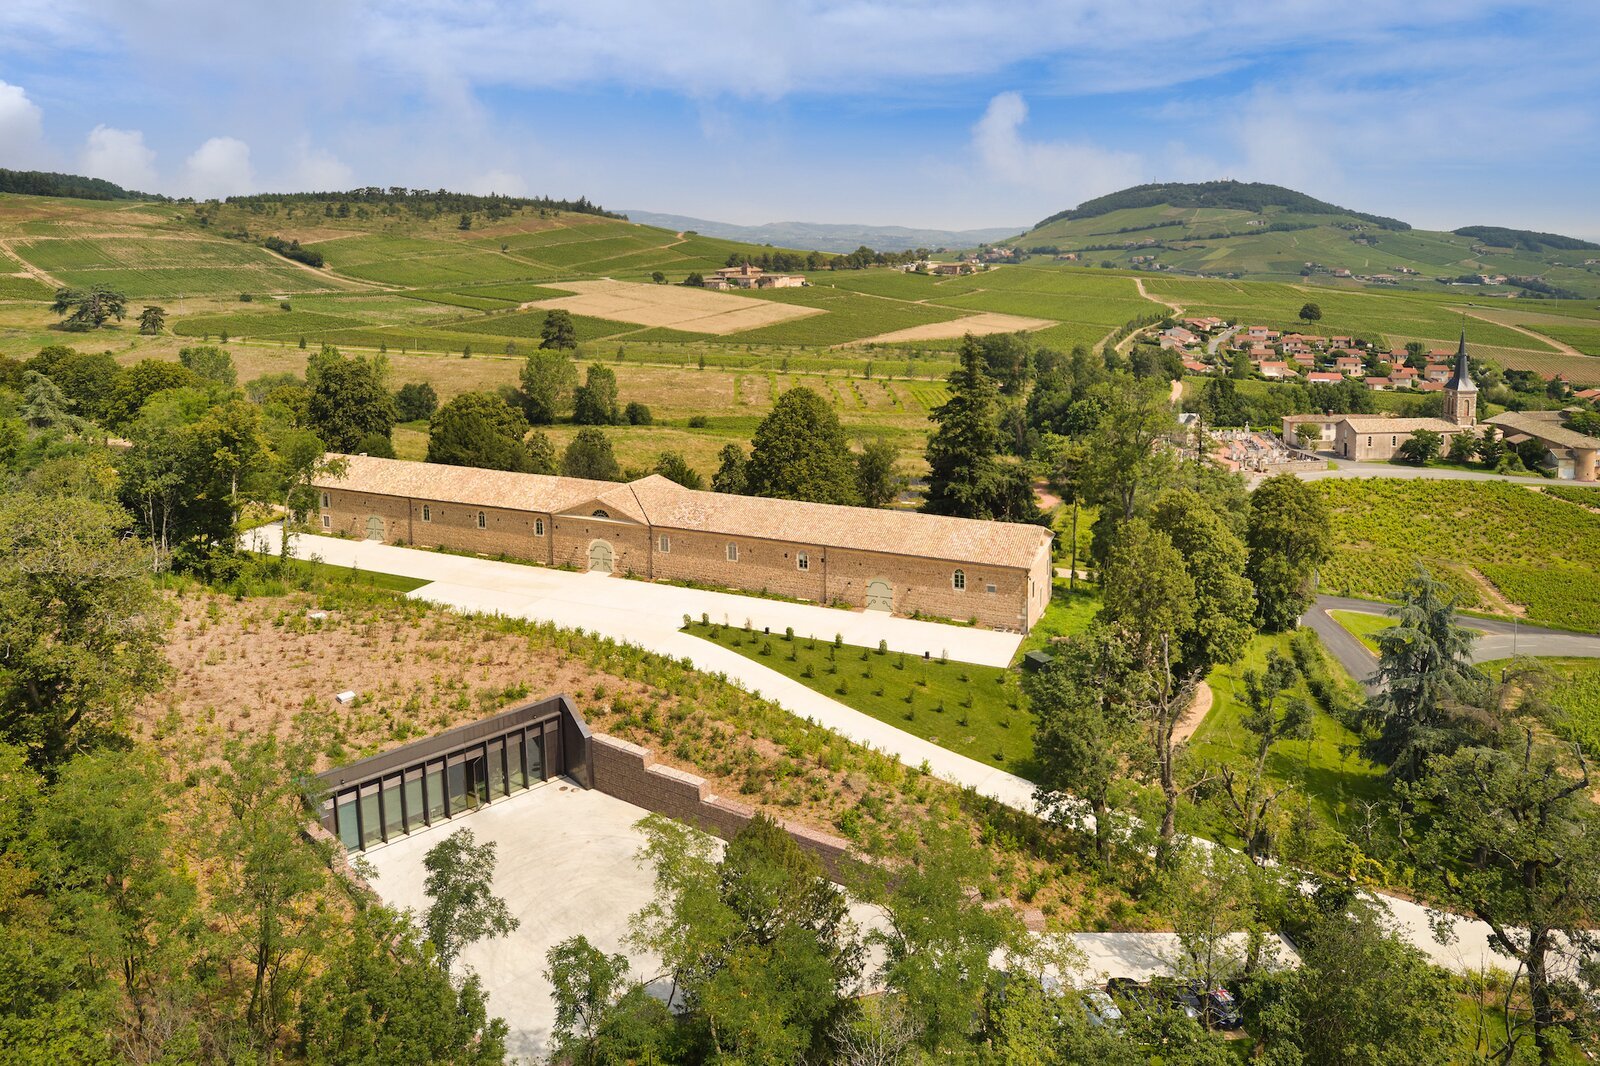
(1347, 468)
(1220, 339)
(1500, 640)
(621, 610)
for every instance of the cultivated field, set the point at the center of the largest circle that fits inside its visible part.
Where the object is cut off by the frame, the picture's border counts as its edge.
(1501, 548)
(677, 307)
(975, 324)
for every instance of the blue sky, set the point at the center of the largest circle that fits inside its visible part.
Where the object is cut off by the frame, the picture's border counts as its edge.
(949, 113)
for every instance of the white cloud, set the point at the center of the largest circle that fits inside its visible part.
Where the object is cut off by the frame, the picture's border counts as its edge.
(220, 167)
(119, 156)
(319, 170)
(21, 128)
(1071, 171)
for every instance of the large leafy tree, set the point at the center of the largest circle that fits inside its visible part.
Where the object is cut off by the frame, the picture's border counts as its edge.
(1125, 465)
(86, 378)
(1514, 840)
(1289, 538)
(415, 400)
(558, 330)
(379, 998)
(89, 308)
(733, 471)
(878, 479)
(674, 467)
(799, 452)
(595, 401)
(463, 908)
(80, 621)
(152, 320)
(210, 363)
(348, 400)
(1360, 996)
(548, 380)
(481, 429)
(963, 452)
(1085, 730)
(137, 383)
(1272, 715)
(1431, 693)
(589, 455)
(759, 944)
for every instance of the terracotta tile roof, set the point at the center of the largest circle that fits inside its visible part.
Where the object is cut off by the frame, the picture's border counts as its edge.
(1546, 429)
(1381, 424)
(871, 529)
(660, 502)
(463, 484)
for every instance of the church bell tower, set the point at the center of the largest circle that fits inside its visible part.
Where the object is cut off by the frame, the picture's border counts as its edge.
(1460, 394)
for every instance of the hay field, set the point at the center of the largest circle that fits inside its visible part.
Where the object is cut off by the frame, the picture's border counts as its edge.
(960, 327)
(672, 306)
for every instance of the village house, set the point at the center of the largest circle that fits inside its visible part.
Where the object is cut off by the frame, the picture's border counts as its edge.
(1348, 365)
(997, 574)
(1276, 370)
(1436, 372)
(1195, 366)
(952, 269)
(746, 276)
(1571, 455)
(1320, 377)
(1378, 384)
(1177, 337)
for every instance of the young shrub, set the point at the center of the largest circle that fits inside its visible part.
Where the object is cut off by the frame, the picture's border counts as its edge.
(883, 647)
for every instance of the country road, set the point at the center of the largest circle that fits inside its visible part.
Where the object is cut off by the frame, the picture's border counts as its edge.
(1500, 639)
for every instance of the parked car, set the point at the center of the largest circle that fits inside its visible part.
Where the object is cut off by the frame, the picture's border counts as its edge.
(1179, 996)
(1219, 1006)
(1131, 995)
(1101, 1010)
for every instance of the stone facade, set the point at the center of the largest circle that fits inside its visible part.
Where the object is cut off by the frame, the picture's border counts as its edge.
(630, 773)
(1005, 597)
(1380, 439)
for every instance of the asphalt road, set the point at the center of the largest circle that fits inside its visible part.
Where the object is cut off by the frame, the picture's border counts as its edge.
(1500, 639)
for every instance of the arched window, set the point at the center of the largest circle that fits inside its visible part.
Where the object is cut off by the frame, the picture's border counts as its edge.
(538, 527)
(958, 580)
(802, 561)
(427, 513)
(325, 502)
(599, 513)
(483, 522)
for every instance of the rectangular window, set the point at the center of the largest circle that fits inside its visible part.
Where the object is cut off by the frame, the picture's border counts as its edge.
(327, 521)
(802, 561)
(349, 828)
(535, 752)
(519, 773)
(665, 544)
(394, 822)
(733, 553)
(325, 502)
(427, 513)
(990, 588)
(435, 775)
(497, 768)
(538, 527)
(416, 809)
(371, 815)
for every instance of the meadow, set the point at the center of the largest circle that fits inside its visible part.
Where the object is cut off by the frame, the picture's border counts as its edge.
(1489, 541)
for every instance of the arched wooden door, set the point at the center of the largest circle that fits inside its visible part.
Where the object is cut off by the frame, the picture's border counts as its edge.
(600, 557)
(880, 595)
(374, 527)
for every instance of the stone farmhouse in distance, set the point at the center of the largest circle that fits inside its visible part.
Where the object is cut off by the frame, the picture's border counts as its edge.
(996, 574)
(746, 276)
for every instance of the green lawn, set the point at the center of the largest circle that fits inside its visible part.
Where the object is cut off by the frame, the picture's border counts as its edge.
(1364, 626)
(976, 711)
(1068, 613)
(1326, 768)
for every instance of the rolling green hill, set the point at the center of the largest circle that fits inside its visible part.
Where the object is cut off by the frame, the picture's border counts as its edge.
(1246, 230)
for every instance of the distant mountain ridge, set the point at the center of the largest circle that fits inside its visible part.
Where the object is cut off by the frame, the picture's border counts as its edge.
(829, 236)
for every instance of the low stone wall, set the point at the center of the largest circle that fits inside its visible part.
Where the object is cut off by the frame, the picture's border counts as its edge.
(630, 773)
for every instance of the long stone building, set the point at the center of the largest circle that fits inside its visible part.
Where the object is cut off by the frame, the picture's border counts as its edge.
(997, 574)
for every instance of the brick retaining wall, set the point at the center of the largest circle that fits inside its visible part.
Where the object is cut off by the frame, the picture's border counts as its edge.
(630, 773)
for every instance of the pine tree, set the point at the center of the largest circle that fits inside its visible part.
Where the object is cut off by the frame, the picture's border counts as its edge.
(962, 451)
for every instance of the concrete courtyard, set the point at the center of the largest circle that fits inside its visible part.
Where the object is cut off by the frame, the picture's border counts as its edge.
(565, 866)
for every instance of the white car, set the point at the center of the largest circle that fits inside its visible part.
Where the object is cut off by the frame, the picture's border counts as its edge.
(1101, 1010)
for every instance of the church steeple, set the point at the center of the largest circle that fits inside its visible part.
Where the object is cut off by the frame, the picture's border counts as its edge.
(1460, 394)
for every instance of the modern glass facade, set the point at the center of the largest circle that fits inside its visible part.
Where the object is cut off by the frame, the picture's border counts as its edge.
(390, 795)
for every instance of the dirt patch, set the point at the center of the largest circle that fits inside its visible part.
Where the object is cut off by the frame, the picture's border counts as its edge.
(986, 322)
(1185, 727)
(1492, 595)
(670, 306)
(1138, 283)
